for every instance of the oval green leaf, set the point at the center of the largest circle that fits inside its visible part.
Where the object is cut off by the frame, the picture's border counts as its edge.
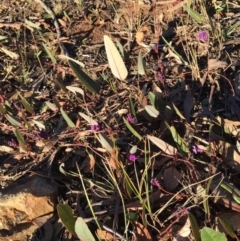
(26, 104)
(66, 215)
(20, 139)
(208, 234)
(227, 226)
(83, 231)
(88, 82)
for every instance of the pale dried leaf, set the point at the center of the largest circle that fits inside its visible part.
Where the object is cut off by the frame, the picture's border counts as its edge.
(170, 150)
(186, 229)
(229, 125)
(115, 60)
(6, 149)
(216, 64)
(171, 178)
(10, 53)
(88, 119)
(139, 37)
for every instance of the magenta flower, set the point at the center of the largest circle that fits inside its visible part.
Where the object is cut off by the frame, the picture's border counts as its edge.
(130, 119)
(155, 182)
(12, 143)
(132, 157)
(95, 127)
(202, 35)
(160, 75)
(198, 149)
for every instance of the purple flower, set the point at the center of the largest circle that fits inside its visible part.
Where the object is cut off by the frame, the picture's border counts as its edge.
(160, 75)
(95, 127)
(132, 157)
(202, 35)
(198, 149)
(12, 143)
(130, 119)
(155, 182)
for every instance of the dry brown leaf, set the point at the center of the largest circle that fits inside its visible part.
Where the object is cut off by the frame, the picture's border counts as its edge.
(216, 64)
(102, 234)
(171, 178)
(88, 164)
(142, 233)
(229, 125)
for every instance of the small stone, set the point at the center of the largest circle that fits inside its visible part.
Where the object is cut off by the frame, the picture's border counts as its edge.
(28, 199)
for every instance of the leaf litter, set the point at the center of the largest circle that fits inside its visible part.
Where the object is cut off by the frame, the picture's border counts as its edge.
(80, 91)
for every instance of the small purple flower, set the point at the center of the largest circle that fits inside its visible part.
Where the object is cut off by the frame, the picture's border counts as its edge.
(198, 149)
(155, 182)
(95, 127)
(12, 143)
(130, 119)
(160, 75)
(132, 157)
(202, 35)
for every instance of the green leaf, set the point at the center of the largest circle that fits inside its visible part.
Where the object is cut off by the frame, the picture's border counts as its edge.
(208, 234)
(115, 61)
(13, 120)
(177, 138)
(120, 47)
(20, 139)
(66, 215)
(152, 111)
(195, 228)
(106, 142)
(227, 226)
(194, 15)
(2, 109)
(66, 118)
(156, 101)
(32, 25)
(50, 55)
(88, 82)
(178, 112)
(132, 109)
(141, 69)
(26, 104)
(135, 133)
(83, 231)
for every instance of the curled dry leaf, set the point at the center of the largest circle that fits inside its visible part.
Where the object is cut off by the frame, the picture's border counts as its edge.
(216, 64)
(171, 178)
(88, 164)
(102, 234)
(229, 125)
(142, 234)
